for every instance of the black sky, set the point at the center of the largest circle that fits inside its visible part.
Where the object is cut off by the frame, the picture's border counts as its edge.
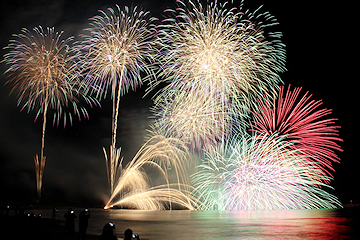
(320, 38)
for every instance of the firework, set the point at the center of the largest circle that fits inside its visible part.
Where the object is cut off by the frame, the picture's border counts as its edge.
(216, 60)
(43, 72)
(302, 122)
(221, 51)
(157, 198)
(253, 174)
(133, 188)
(116, 49)
(195, 118)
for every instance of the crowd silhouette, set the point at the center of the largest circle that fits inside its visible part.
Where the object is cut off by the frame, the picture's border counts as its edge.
(34, 224)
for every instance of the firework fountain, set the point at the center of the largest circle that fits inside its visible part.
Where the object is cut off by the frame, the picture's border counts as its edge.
(116, 49)
(133, 189)
(43, 72)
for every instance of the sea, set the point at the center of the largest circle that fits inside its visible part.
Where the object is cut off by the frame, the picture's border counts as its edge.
(316, 224)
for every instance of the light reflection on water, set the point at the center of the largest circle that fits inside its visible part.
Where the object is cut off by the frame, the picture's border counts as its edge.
(275, 224)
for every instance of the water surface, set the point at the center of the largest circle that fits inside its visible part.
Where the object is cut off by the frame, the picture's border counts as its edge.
(273, 224)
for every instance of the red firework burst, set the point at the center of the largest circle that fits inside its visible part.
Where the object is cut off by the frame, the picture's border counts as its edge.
(301, 121)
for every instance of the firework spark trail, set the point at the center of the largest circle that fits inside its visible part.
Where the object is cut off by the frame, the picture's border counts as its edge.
(259, 174)
(301, 121)
(158, 198)
(133, 188)
(116, 49)
(43, 72)
(218, 49)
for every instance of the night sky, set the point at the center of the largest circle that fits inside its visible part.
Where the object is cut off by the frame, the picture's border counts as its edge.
(320, 38)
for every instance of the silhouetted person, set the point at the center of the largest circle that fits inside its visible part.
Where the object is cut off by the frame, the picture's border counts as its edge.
(83, 223)
(69, 223)
(54, 213)
(128, 235)
(108, 232)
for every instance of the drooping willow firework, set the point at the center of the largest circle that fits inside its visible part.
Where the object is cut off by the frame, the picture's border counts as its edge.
(133, 189)
(300, 121)
(259, 174)
(43, 72)
(116, 49)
